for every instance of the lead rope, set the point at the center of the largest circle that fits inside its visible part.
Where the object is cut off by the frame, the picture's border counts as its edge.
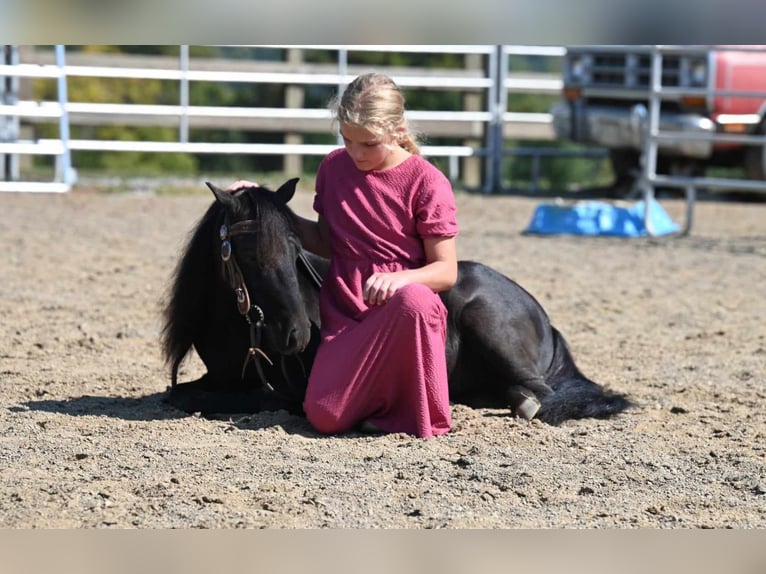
(314, 275)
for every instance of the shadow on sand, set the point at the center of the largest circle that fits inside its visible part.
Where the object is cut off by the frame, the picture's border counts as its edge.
(154, 407)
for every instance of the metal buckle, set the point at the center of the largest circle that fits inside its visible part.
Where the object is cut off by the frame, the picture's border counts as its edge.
(226, 250)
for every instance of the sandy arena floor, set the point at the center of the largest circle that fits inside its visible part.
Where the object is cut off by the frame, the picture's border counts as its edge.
(677, 323)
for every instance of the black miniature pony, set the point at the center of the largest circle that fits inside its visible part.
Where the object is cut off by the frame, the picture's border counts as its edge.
(245, 297)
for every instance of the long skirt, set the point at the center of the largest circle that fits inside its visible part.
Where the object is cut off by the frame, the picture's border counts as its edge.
(389, 369)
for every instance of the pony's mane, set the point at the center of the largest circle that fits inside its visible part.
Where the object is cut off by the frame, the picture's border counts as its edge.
(274, 221)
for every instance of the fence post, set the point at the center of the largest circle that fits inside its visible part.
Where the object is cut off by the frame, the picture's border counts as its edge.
(492, 177)
(64, 171)
(294, 98)
(473, 102)
(342, 73)
(9, 125)
(183, 128)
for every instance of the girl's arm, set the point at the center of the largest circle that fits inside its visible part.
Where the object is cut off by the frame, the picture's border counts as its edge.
(439, 273)
(315, 235)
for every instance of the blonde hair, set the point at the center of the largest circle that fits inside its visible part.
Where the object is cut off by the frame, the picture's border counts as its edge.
(374, 102)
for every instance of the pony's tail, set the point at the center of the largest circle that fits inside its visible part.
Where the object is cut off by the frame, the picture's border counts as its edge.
(578, 399)
(575, 396)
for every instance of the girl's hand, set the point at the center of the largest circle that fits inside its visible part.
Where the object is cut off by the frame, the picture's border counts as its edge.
(239, 184)
(380, 287)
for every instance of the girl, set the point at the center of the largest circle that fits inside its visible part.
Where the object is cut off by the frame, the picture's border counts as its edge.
(386, 219)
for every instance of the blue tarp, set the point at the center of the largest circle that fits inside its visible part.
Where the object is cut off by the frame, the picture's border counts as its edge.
(600, 218)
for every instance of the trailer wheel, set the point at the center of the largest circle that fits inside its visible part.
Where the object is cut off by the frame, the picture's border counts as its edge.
(755, 156)
(626, 168)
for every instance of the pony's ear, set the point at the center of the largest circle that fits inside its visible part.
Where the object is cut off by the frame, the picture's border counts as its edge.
(224, 197)
(287, 190)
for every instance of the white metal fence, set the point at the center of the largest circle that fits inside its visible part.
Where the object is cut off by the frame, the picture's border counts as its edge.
(484, 127)
(649, 179)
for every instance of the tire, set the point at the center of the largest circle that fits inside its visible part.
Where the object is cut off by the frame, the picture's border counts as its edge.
(755, 157)
(626, 168)
(626, 165)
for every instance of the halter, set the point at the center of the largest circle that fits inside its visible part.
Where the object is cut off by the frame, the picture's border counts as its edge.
(254, 315)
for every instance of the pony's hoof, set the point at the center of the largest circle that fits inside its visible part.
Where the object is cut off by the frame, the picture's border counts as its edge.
(528, 408)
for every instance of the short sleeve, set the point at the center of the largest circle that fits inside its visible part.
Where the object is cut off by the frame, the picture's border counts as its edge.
(436, 211)
(318, 203)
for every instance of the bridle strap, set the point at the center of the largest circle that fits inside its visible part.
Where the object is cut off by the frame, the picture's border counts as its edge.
(252, 313)
(234, 277)
(248, 226)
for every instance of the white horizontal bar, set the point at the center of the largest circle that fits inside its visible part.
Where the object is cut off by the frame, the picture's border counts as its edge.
(241, 112)
(31, 109)
(449, 151)
(530, 84)
(535, 50)
(199, 147)
(527, 118)
(426, 115)
(53, 110)
(42, 147)
(31, 70)
(237, 148)
(33, 186)
(416, 48)
(196, 111)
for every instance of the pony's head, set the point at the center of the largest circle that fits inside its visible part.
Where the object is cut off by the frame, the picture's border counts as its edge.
(259, 251)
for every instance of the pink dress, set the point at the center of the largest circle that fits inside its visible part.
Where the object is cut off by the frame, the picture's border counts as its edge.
(385, 363)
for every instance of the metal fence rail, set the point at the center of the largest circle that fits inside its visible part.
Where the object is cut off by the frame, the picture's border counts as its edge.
(483, 128)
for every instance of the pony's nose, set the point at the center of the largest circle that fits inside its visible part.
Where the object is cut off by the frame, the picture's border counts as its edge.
(294, 340)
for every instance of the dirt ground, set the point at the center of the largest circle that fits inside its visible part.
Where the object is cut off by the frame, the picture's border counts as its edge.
(676, 323)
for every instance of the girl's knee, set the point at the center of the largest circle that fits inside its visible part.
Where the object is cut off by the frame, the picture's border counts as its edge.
(417, 299)
(322, 420)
